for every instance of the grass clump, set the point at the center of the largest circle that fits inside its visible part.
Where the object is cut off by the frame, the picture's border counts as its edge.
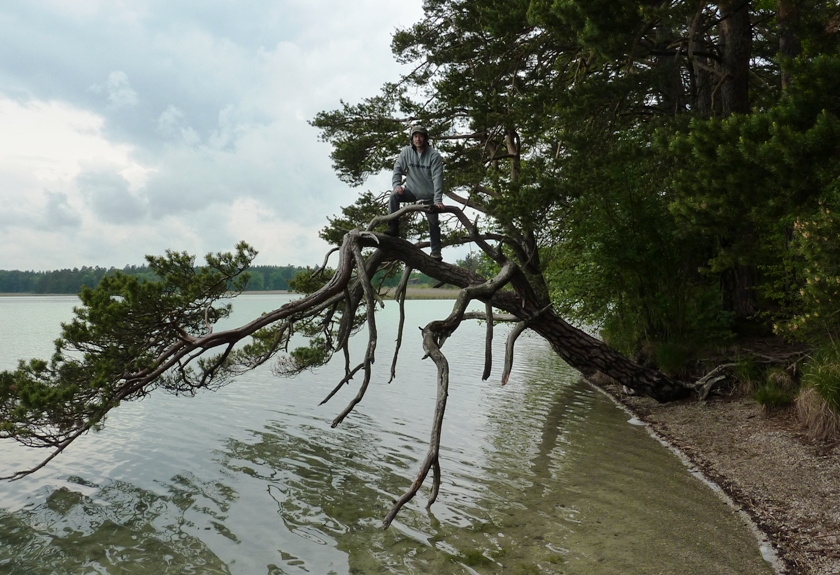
(748, 375)
(818, 405)
(777, 390)
(773, 397)
(672, 358)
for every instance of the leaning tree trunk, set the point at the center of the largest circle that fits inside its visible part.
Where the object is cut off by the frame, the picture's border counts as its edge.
(577, 348)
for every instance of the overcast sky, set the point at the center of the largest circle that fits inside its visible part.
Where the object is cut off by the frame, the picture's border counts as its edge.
(131, 126)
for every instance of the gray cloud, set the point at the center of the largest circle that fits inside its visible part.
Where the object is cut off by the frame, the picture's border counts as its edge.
(117, 89)
(107, 193)
(59, 213)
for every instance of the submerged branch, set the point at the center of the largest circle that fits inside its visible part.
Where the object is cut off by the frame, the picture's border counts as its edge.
(399, 295)
(430, 345)
(434, 336)
(371, 323)
(511, 340)
(488, 342)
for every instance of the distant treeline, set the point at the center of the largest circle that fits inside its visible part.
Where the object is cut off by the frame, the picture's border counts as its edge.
(70, 281)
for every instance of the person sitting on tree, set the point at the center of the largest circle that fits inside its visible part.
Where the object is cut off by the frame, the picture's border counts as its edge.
(422, 167)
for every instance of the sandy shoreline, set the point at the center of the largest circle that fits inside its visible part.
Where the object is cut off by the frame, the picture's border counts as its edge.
(787, 485)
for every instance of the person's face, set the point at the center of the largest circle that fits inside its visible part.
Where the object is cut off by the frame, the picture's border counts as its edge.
(419, 140)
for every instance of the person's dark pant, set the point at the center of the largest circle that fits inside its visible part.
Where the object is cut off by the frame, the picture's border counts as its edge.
(434, 221)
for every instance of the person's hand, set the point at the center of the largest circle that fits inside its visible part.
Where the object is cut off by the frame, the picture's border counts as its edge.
(440, 207)
(399, 190)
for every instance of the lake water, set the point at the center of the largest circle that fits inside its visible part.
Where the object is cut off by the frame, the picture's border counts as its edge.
(544, 475)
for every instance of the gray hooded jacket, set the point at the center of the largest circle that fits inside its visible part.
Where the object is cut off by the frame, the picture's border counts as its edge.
(424, 173)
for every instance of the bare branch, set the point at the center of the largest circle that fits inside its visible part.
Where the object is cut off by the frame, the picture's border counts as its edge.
(59, 448)
(349, 375)
(511, 339)
(434, 335)
(400, 297)
(371, 322)
(326, 260)
(468, 202)
(432, 349)
(488, 342)
(207, 324)
(417, 207)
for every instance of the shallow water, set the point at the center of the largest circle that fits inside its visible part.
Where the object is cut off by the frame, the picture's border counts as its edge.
(543, 475)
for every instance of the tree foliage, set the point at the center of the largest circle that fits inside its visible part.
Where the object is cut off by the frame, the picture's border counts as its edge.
(108, 352)
(649, 157)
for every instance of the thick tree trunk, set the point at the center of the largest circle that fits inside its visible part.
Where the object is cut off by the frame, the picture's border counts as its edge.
(787, 16)
(736, 35)
(577, 348)
(588, 355)
(738, 286)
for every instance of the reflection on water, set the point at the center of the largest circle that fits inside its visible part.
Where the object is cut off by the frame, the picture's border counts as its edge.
(541, 476)
(123, 529)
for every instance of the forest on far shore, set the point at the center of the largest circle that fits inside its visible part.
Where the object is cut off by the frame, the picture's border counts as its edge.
(71, 281)
(260, 278)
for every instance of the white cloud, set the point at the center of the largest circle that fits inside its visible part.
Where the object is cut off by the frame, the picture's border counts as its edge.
(48, 139)
(276, 235)
(137, 126)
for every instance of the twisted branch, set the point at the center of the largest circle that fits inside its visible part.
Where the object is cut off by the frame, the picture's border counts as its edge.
(399, 295)
(434, 336)
(371, 322)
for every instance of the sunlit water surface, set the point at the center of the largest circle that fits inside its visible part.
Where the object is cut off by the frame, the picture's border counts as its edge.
(543, 475)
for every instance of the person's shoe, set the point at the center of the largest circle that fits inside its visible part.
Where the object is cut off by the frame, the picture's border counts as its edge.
(436, 256)
(393, 229)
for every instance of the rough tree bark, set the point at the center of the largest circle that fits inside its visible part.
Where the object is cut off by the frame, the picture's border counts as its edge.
(736, 35)
(787, 15)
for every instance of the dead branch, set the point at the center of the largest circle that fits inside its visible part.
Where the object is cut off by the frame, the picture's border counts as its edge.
(399, 295)
(417, 207)
(467, 202)
(371, 323)
(434, 336)
(323, 267)
(511, 340)
(704, 385)
(488, 342)
(348, 376)
(432, 457)
(207, 325)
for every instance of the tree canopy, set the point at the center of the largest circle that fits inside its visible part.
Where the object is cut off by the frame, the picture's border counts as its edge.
(667, 172)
